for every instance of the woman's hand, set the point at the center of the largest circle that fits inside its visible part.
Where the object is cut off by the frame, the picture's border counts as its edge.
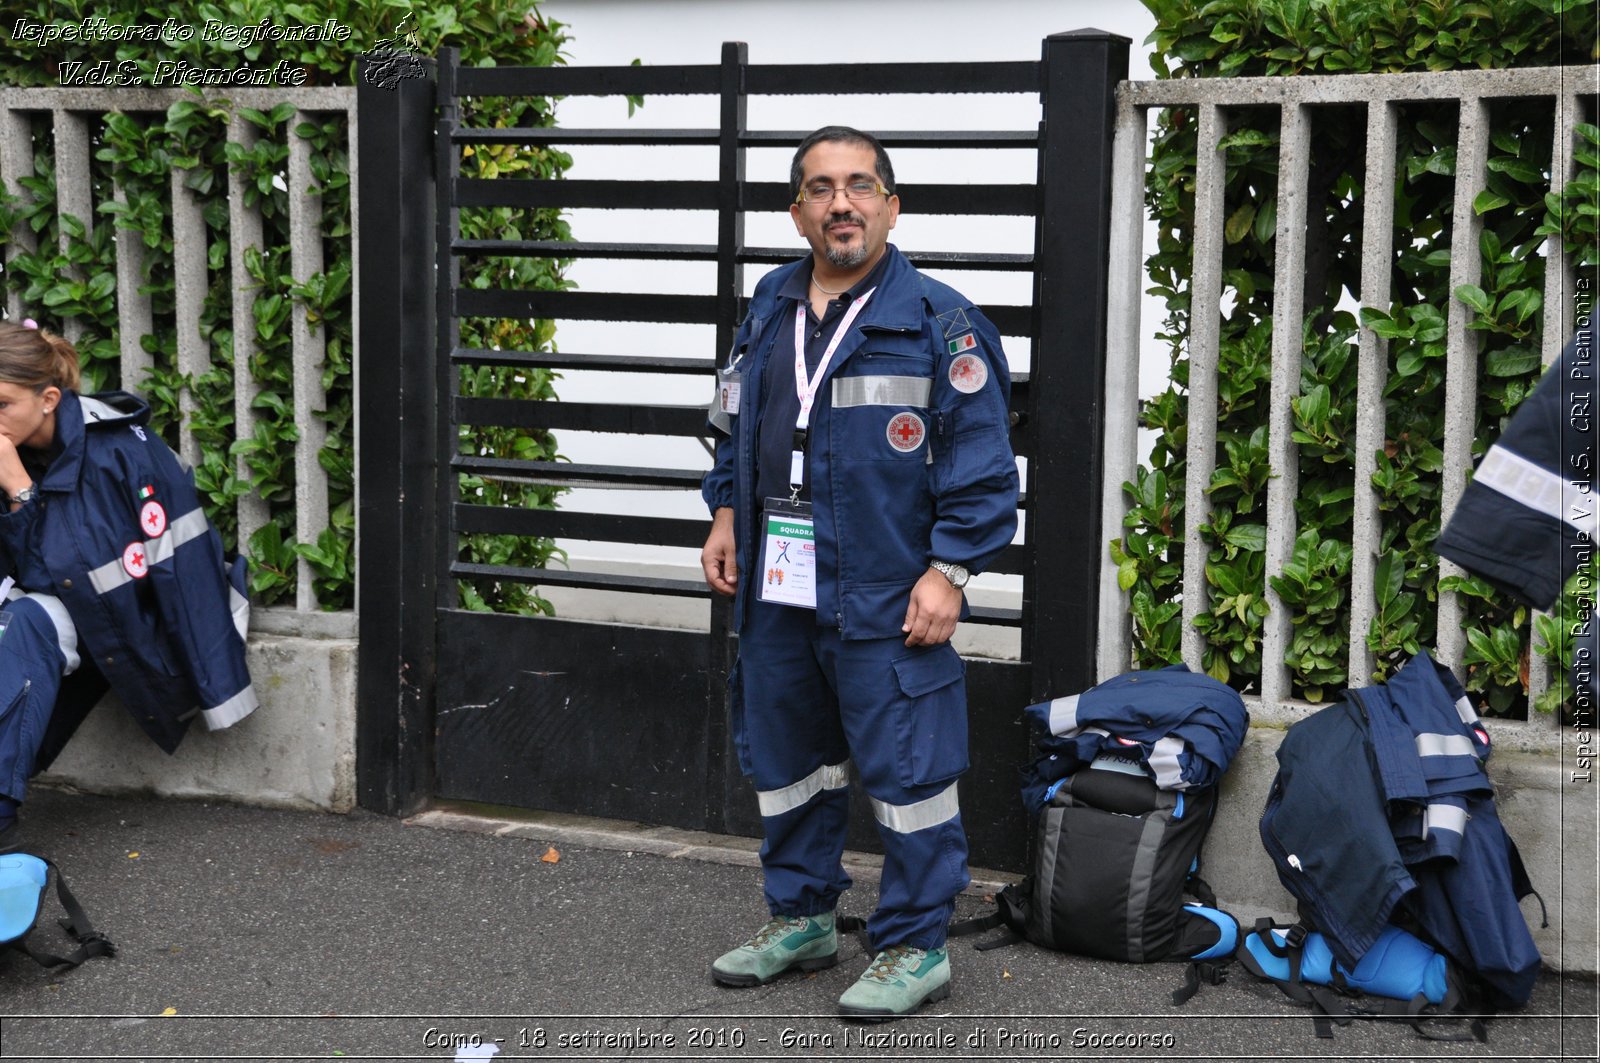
(13, 475)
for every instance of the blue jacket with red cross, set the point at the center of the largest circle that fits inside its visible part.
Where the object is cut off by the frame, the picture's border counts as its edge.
(909, 451)
(116, 532)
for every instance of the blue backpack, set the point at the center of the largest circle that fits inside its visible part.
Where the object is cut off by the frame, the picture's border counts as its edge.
(24, 878)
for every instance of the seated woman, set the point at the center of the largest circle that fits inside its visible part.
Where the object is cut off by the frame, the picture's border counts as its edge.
(110, 573)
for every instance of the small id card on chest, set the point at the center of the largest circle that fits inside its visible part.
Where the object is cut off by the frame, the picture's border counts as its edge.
(788, 554)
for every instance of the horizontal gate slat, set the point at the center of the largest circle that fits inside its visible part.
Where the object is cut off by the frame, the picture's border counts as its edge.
(708, 253)
(985, 200)
(610, 581)
(917, 138)
(583, 416)
(578, 249)
(828, 79)
(587, 81)
(631, 195)
(599, 581)
(587, 306)
(921, 138)
(636, 363)
(1011, 320)
(1007, 200)
(570, 524)
(779, 79)
(558, 135)
(569, 474)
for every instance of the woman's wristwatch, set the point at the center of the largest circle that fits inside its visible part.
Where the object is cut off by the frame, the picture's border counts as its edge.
(26, 494)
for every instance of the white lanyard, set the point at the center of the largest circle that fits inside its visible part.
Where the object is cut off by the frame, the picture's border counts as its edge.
(807, 389)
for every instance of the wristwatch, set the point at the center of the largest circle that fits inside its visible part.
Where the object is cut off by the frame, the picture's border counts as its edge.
(27, 494)
(956, 574)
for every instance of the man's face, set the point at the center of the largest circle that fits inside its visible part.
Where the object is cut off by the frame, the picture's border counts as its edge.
(847, 232)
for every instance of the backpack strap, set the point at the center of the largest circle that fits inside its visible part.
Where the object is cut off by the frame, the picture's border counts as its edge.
(855, 926)
(90, 941)
(1011, 911)
(1325, 1005)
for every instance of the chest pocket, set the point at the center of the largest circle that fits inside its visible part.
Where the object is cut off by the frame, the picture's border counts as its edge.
(881, 401)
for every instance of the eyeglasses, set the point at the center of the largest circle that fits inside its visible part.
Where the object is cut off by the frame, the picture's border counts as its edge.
(822, 192)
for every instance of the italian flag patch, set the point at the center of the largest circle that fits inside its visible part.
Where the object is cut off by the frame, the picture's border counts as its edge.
(963, 343)
(147, 491)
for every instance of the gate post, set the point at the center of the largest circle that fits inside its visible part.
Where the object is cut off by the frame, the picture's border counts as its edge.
(730, 300)
(396, 443)
(1078, 83)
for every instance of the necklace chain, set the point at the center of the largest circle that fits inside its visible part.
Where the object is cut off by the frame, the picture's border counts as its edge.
(828, 291)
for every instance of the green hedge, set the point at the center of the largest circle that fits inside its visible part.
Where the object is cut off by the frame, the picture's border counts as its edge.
(1240, 38)
(139, 151)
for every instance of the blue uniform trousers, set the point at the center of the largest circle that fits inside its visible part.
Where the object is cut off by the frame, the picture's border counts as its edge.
(805, 703)
(31, 663)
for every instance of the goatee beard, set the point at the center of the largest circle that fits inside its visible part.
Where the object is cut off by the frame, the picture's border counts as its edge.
(845, 257)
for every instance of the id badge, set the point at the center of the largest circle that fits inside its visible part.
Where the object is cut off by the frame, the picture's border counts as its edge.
(788, 554)
(728, 383)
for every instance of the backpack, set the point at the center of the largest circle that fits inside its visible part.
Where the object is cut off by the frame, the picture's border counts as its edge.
(1407, 899)
(1123, 795)
(24, 878)
(1401, 976)
(1113, 856)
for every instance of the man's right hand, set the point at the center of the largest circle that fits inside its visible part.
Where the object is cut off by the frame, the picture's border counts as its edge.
(717, 557)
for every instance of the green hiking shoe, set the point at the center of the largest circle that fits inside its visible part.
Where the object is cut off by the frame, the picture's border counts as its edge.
(807, 942)
(900, 980)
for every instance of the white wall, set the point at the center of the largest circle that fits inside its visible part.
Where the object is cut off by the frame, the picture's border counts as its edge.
(616, 32)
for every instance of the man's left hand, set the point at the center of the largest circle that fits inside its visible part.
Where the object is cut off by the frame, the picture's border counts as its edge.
(934, 609)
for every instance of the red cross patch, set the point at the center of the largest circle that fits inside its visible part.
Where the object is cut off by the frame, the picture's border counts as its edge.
(968, 374)
(134, 561)
(906, 432)
(152, 519)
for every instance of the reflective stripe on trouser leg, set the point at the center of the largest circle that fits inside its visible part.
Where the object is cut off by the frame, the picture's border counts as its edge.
(798, 761)
(904, 712)
(30, 676)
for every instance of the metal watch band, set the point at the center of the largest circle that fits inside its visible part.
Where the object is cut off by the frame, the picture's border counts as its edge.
(956, 574)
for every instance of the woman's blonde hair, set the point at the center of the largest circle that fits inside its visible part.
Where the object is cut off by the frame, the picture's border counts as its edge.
(36, 358)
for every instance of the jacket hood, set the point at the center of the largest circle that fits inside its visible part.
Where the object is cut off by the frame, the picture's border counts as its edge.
(113, 408)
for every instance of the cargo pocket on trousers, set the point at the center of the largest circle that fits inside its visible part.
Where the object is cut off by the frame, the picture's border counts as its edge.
(931, 716)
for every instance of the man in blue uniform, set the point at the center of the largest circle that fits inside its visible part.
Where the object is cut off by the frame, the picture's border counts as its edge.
(863, 474)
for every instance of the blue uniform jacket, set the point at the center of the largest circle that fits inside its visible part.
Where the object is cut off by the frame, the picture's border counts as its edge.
(881, 511)
(1382, 802)
(1185, 727)
(1527, 520)
(117, 534)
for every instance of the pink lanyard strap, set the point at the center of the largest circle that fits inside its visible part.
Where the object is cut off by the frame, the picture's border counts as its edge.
(807, 389)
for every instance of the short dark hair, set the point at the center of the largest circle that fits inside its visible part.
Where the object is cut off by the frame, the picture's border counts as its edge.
(840, 134)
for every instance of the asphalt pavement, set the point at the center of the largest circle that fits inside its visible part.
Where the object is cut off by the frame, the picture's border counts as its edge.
(248, 933)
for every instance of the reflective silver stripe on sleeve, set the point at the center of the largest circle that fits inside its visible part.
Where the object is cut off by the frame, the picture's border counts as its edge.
(1163, 760)
(881, 391)
(231, 711)
(66, 631)
(1537, 488)
(907, 819)
(1064, 714)
(111, 575)
(1432, 745)
(1444, 817)
(1464, 709)
(791, 797)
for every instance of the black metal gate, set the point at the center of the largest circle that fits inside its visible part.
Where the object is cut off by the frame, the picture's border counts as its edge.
(628, 722)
